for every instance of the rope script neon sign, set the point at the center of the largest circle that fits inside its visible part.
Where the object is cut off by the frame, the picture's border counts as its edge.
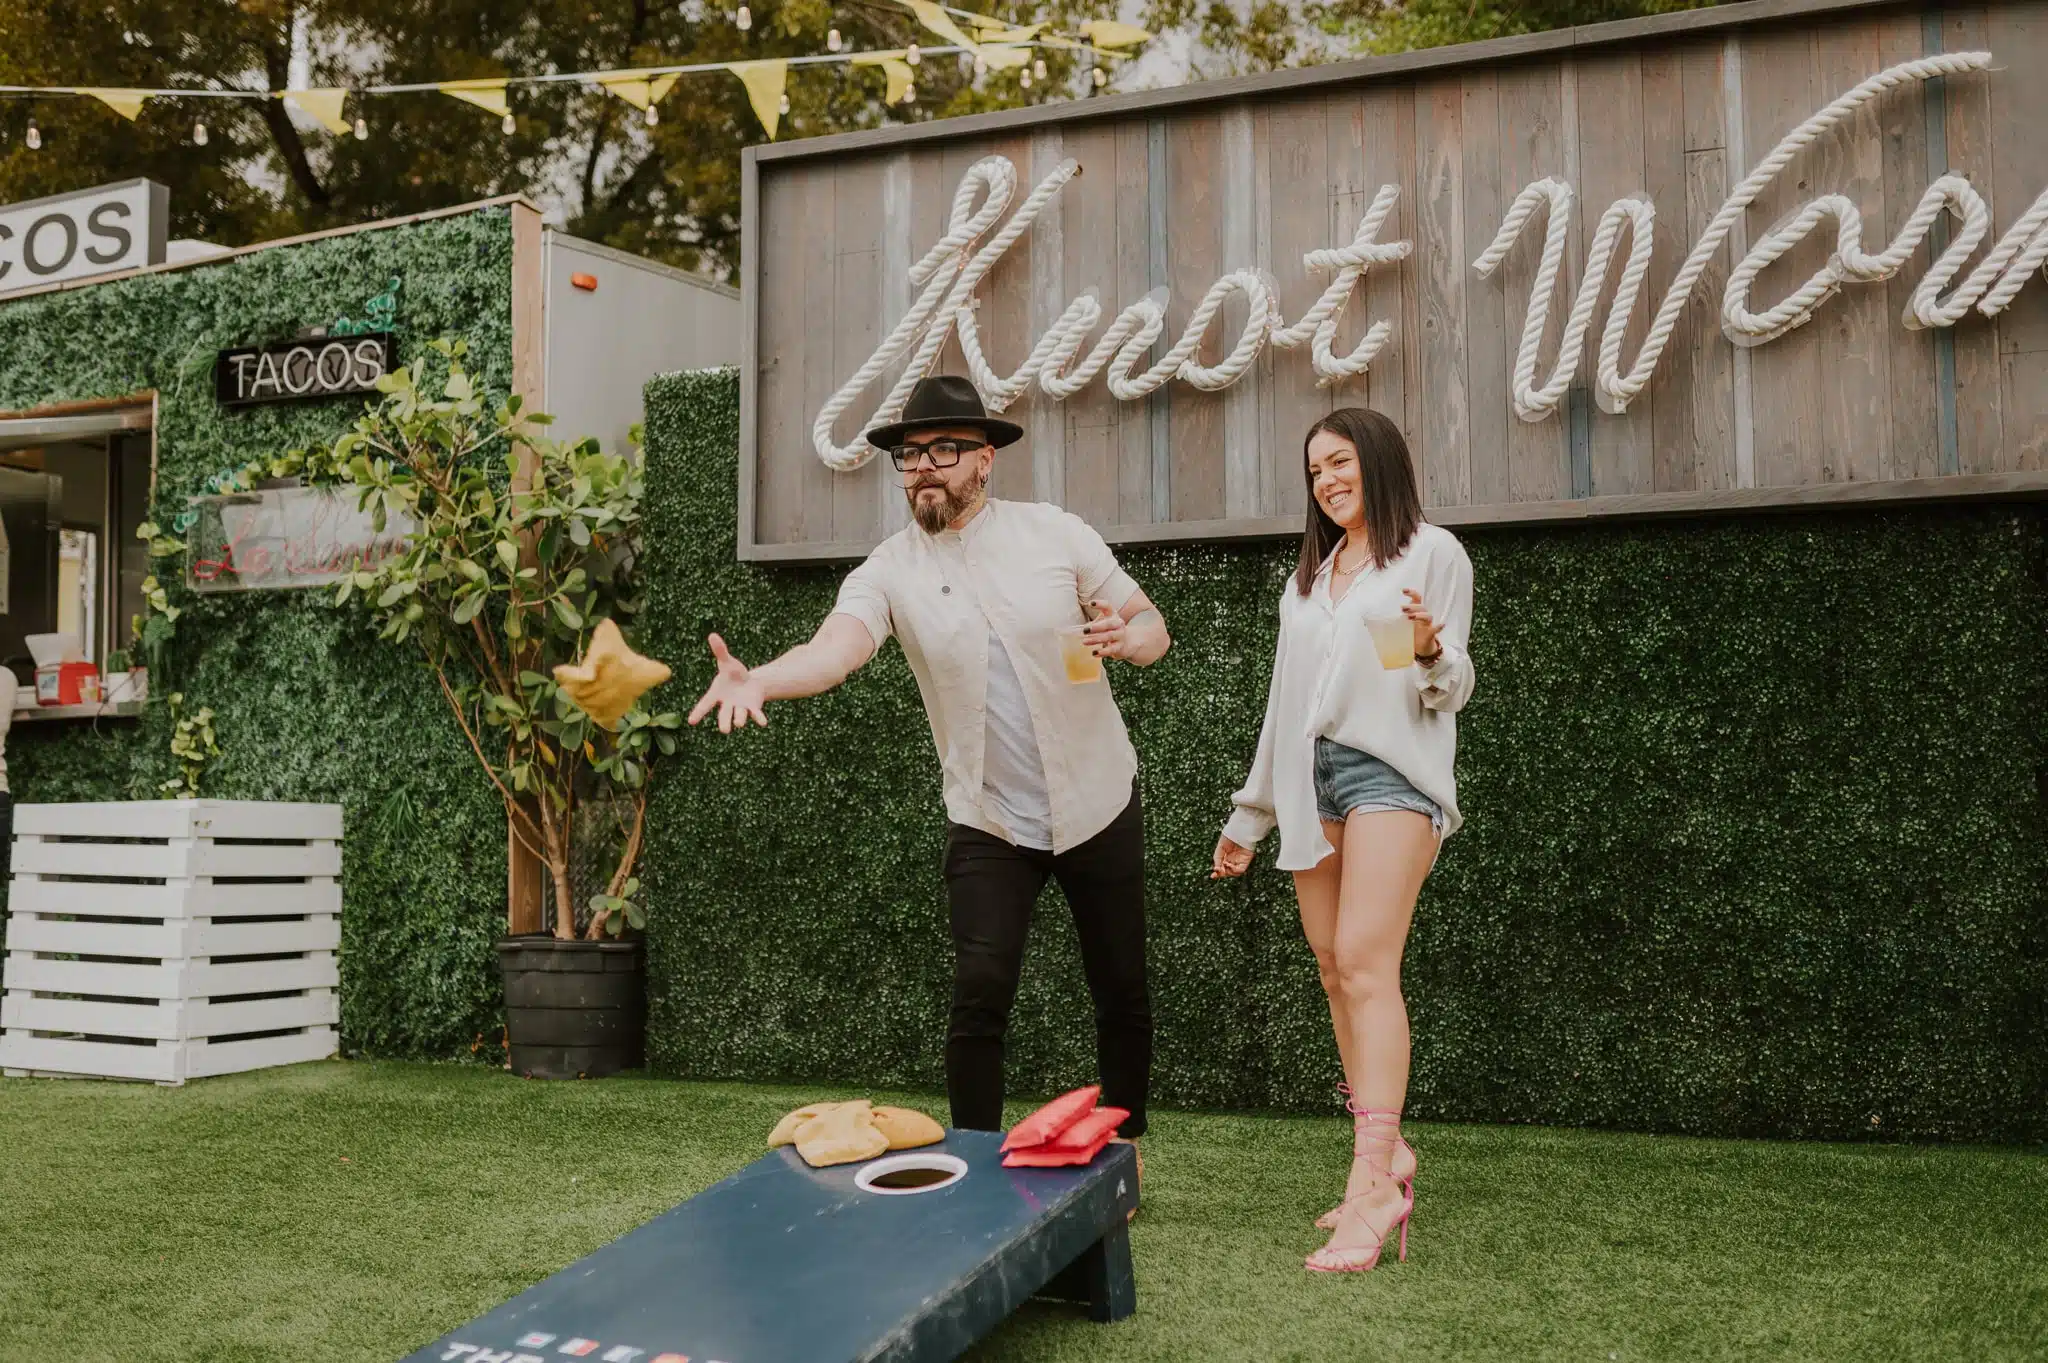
(948, 275)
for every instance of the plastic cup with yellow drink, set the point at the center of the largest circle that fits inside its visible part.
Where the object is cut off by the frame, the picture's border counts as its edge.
(1393, 638)
(1082, 663)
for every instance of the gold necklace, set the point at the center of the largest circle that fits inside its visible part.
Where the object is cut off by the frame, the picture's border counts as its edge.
(1347, 572)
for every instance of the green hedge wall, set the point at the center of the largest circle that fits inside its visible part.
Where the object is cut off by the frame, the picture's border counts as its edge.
(308, 705)
(1756, 835)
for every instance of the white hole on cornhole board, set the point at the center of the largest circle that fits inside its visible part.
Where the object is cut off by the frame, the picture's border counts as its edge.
(913, 1173)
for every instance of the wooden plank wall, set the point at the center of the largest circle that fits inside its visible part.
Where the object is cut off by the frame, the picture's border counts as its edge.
(1853, 397)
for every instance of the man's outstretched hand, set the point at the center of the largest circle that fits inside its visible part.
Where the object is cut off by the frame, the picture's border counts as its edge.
(733, 691)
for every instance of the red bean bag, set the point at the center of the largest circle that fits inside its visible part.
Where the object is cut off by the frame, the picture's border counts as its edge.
(1078, 1144)
(1091, 1130)
(1050, 1120)
(1044, 1157)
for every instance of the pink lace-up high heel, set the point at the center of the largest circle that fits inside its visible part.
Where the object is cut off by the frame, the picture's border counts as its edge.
(1377, 1134)
(1403, 1163)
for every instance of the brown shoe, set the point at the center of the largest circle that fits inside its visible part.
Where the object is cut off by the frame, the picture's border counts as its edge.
(1132, 1215)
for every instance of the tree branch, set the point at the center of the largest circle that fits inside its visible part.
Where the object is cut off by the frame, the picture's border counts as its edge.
(512, 809)
(598, 137)
(635, 35)
(627, 859)
(292, 147)
(650, 163)
(631, 855)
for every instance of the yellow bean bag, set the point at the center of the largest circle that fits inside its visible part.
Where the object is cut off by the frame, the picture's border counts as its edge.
(841, 1133)
(610, 677)
(844, 1135)
(907, 1128)
(785, 1130)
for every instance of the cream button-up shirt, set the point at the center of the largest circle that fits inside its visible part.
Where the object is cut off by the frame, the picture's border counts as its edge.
(1328, 683)
(1022, 569)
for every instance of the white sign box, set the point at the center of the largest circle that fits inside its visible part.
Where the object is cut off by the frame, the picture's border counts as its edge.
(90, 232)
(286, 537)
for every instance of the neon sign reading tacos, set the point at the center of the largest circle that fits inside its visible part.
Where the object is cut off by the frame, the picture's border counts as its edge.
(317, 367)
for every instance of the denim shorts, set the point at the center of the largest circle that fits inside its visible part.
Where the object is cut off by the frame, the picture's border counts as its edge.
(1351, 782)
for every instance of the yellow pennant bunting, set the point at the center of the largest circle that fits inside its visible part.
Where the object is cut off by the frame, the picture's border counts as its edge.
(1110, 33)
(324, 105)
(998, 44)
(982, 24)
(900, 73)
(488, 95)
(127, 103)
(938, 21)
(765, 82)
(901, 78)
(636, 88)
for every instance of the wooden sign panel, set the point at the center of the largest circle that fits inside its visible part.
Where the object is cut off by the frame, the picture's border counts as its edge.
(1779, 253)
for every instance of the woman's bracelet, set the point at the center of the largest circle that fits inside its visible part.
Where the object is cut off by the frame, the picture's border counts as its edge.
(1431, 660)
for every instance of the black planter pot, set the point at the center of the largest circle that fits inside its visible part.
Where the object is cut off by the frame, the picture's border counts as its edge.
(573, 1010)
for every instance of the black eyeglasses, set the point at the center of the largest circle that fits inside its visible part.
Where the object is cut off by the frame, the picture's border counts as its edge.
(943, 454)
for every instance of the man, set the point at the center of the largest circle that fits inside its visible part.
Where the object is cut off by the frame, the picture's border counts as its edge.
(1040, 777)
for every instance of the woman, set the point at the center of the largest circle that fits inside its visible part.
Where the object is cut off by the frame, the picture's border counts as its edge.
(1354, 765)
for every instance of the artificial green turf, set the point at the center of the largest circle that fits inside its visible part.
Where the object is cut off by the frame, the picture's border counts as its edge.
(355, 1211)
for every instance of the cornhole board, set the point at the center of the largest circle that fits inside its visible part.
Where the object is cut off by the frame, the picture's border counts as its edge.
(783, 1263)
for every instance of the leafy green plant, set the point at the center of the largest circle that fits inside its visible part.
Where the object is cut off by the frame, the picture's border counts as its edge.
(520, 547)
(621, 910)
(316, 465)
(157, 621)
(194, 745)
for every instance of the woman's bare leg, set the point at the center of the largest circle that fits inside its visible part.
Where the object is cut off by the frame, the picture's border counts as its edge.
(1387, 855)
(1317, 892)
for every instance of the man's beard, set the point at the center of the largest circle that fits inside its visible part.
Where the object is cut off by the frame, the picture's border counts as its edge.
(932, 517)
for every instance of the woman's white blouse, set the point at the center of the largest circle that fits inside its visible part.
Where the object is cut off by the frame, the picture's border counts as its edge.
(1328, 683)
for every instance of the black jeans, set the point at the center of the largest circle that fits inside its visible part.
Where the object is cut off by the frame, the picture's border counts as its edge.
(991, 886)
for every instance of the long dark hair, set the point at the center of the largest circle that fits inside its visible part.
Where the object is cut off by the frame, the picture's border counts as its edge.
(1386, 478)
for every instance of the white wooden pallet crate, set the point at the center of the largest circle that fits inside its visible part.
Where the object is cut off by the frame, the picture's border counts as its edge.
(201, 942)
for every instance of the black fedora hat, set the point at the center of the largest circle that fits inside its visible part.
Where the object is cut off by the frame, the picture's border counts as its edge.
(945, 400)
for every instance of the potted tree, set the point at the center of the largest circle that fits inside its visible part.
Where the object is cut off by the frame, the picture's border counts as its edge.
(520, 550)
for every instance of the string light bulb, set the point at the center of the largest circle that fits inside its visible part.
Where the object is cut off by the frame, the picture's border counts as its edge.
(910, 93)
(34, 137)
(744, 20)
(199, 133)
(833, 42)
(1038, 68)
(1099, 76)
(783, 106)
(508, 125)
(912, 56)
(980, 65)
(1024, 77)
(362, 129)
(652, 116)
